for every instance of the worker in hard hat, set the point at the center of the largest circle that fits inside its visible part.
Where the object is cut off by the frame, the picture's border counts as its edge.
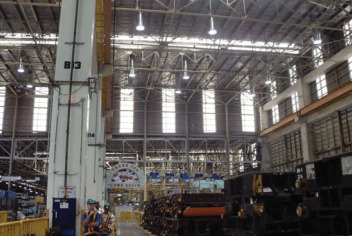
(91, 219)
(107, 221)
(97, 206)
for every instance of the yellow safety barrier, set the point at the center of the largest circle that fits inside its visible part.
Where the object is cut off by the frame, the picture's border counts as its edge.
(37, 226)
(138, 217)
(125, 215)
(113, 233)
(3, 217)
(11, 229)
(82, 229)
(39, 199)
(25, 227)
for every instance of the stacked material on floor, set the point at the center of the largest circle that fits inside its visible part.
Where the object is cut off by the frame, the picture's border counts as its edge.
(262, 204)
(186, 214)
(326, 185)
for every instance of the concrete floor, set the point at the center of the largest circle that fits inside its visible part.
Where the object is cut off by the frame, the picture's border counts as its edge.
(129, 228)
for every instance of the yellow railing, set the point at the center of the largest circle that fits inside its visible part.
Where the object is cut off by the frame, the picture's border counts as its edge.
(25, 227)
(113, 233)
(125, 215)
(47, 212)
(3, 217)
(37, 226)
(11, 229)
(82, 212)
(138, 216)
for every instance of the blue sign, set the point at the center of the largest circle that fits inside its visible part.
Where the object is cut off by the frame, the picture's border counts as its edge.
(2, 193)
(10, 195)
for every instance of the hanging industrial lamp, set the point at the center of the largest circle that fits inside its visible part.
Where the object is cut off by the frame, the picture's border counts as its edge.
(317, 38)
(140, 26)
(132, 73)
(268, 80)
(20, 67)
(185, 73)
(212, 30)
(252, 91)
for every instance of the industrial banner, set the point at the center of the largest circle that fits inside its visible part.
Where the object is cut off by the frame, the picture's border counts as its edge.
(125, 175)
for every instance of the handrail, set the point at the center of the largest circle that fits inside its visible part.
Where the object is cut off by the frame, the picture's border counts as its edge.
(3, 217)
(11, 229)
(37, 226)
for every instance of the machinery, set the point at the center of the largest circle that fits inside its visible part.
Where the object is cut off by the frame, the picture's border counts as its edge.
(186, 214)
(8, 203)
(262, 204)
(326, 186)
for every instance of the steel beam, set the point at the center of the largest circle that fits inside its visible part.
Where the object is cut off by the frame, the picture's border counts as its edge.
(207, 15)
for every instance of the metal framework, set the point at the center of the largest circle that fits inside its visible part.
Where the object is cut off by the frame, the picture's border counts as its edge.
(159, 64)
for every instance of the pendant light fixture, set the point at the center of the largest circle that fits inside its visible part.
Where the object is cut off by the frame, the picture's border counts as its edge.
(132, 73)
(140, 26)
(251, 88)
(185, 73)
(212, 30)
(317, 38)
(268, 80)
(20, 66)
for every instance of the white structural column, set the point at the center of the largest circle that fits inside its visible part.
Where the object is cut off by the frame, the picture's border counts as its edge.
(76, 163)
(96, 147)
(264, 118)
(304, 95)
(307, 132)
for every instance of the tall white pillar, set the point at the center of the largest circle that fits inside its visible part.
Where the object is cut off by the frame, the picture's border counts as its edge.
(76, 63)
(96, 147)
(264, 118)
(304, 94)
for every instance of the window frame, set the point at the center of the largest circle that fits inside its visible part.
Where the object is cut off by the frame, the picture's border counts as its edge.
(2, 106)
(126, 111)
(209, 111)
(275, 114)
(295, 102)
(40, 109)
(293, 75)
(168, 110)
(247, 105)
(273, 89)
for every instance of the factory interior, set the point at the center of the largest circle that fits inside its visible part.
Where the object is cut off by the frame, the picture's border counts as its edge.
(175, 117)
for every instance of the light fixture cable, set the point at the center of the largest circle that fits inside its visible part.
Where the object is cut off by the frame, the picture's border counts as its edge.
(140, 26)
(185, 72)
(212, 30)
(132, 73)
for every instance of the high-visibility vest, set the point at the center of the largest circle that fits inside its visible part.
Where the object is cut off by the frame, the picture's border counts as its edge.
(91, 229)
(105, 225)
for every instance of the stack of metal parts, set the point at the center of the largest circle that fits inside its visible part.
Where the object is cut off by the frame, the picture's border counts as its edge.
(195, 214)
(153, 217)
(186, 214)
(327, 196)
(262, 204)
